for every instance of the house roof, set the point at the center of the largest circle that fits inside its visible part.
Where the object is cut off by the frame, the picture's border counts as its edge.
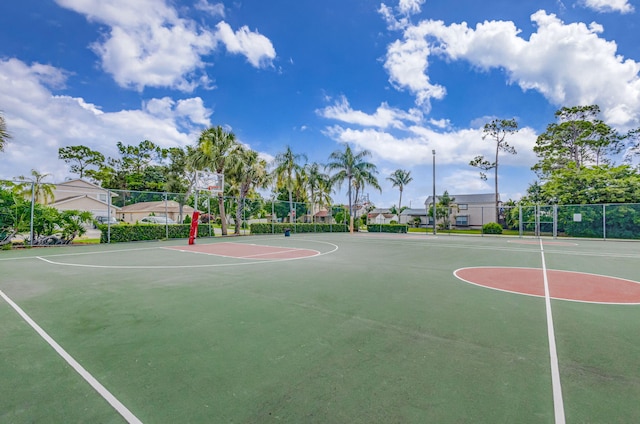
(414, 211)
(80, 185)
(72, 199)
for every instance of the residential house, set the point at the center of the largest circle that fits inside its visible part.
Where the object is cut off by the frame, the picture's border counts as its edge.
(82, 195)
(170, 208)
(414, 217)
(468, 210)
(381, 216)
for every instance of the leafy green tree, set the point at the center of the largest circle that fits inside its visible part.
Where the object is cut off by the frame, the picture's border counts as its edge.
(137, 158)
(441, 212)
(578, 137)
(135, 169)
(288, 171)
(592, 185)
(497, 130)
(4, 134)
(446, 202)
(349, 165)
(400, 178)
(633, 138)
(80, 158)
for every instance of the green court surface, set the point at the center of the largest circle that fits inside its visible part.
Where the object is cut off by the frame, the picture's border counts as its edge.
(332, 328)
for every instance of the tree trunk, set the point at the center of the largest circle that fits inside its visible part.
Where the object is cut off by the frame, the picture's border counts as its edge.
(223, 216)
(497, 195)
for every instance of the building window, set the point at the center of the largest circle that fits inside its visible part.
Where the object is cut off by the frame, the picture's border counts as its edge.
(463, 206)
(102, 197)
(462, 221)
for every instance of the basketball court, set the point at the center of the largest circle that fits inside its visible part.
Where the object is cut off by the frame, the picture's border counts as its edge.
(358, 328)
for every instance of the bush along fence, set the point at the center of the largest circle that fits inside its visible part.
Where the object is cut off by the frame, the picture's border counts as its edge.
(142, 232)
(277, 228)
(388, 228)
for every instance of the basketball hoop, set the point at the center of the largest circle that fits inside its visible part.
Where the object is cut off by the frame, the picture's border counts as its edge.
(210, 181)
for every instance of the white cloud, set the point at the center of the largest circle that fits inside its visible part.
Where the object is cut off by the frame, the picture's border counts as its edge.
(465, 182)
(256, 47)
(41, 122)
(149, 45)
(452, 148)
(567, 63)
(604, 6)
(410, 7)
(400, 18)
(215, 10)
(384, 116)
(440, 123)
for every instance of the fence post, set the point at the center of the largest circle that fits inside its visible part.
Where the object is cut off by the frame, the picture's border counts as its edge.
(520, 220)
(604, 222)
(555, 221)
(209, 213)
(273, 202)
(33, 201)
(109, 219)
(482, 221)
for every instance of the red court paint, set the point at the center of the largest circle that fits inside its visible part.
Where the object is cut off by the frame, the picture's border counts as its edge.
(248, 251)
(567, 285)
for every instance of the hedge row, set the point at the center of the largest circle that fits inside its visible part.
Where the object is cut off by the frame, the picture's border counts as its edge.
(387, 228)
(138, 232)
(298, 228)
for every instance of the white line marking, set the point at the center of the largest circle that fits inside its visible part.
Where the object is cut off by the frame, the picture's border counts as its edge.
(558, 404)
(261, 262)
(115, 403)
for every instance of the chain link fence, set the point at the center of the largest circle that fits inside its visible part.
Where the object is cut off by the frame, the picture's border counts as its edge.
(25, 206)
(29, 211)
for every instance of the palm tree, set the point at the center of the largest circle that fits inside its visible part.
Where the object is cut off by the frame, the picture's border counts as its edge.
(315, 178)
(400, 178)
(349, 165)
(43, 191)
(249, 172)
(363, 177)
(4, 134)
(287, 171)
(216, 150)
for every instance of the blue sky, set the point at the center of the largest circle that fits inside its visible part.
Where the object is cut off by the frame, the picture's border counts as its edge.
(399, 78)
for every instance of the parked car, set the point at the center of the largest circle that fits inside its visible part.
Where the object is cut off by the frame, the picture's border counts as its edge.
(104, 220)
(157, 220)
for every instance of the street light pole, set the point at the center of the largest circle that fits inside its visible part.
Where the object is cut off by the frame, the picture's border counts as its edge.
(434, 192)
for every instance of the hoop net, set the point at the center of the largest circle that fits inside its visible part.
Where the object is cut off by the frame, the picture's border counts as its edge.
(210, 181)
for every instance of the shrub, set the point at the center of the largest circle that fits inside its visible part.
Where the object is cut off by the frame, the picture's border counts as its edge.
(266, 228)
(138, 232)
(387, 228)
(492, 228)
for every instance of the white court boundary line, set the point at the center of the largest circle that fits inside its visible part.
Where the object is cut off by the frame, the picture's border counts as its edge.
(558, 403)
(102, 391)
(257, 255)
(262, 262)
